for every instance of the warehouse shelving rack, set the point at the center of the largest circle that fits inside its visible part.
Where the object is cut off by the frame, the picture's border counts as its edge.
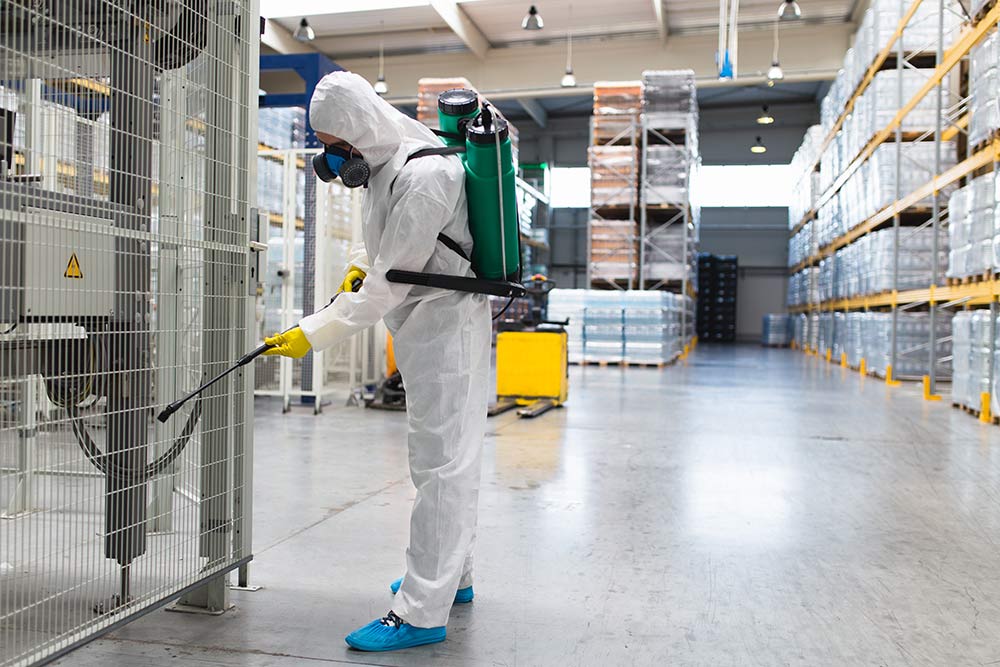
(621, 206)
(670, 212)
(950, 125)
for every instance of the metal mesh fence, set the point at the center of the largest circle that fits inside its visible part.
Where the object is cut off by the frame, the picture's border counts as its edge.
(311, 227)
(125, 279)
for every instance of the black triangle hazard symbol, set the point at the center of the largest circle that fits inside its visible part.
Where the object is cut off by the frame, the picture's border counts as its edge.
(73, 268)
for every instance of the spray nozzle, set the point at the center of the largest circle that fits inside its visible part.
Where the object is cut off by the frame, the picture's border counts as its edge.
(487, 116)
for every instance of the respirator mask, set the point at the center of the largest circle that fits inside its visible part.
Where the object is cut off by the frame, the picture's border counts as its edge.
(335, 161)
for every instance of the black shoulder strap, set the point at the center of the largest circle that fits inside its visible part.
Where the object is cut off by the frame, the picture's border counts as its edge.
(452, 244)
(444, 150)
(427, 152)
(448, 135)
(447, 241)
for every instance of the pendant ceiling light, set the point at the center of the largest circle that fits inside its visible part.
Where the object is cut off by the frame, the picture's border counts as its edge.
(789, 10)
(532, 20)
(775, 73)
(758, 147)
(765, 118)
(381, 87)
(569, 80)
(304, 33)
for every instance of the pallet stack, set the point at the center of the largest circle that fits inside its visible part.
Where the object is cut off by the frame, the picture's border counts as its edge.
(668, 225)
(613, 158)
(776, 330)
(717, 278)
(637, 328)
(644, 144)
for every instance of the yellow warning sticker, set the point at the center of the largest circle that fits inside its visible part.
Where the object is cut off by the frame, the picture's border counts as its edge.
(73, 268)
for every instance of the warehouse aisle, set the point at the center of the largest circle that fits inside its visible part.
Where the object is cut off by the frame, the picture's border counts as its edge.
(754, 507)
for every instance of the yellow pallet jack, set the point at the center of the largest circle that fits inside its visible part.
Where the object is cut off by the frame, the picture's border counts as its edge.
(532, 359)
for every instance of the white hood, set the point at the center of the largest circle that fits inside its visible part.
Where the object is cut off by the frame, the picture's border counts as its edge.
(346, 106)
(403, 210)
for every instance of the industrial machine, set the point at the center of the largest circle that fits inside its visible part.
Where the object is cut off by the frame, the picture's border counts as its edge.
(532, 358)
(127, 265)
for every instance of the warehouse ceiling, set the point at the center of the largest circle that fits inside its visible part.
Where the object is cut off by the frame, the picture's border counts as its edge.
(344, 30)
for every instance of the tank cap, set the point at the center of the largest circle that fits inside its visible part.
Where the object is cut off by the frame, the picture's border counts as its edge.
(458, 102)
(478, 134)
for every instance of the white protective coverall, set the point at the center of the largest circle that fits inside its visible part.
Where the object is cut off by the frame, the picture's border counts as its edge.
(441, 337)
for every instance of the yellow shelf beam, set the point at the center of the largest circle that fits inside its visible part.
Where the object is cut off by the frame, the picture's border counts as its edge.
(955, 128)
(972, 294)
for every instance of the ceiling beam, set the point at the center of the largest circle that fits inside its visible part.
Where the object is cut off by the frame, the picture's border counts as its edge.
(534, 109)
(279, 38)
(858, 10)
(462, 26)
(662, 22)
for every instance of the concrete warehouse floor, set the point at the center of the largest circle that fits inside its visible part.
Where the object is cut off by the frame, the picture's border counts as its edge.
(753, 507)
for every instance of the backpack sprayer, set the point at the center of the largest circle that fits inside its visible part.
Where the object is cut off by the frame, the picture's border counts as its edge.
(480, 137)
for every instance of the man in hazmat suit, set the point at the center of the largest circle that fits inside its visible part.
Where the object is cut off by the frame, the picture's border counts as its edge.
(441, 339)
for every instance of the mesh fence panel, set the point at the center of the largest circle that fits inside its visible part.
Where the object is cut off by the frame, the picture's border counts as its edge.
(125, 210)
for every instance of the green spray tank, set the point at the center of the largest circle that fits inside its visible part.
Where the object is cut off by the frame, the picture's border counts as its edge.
(489, 181)
(480, 137)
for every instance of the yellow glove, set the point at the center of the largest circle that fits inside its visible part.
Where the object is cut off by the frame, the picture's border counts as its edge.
(293, 343)
(353, 280)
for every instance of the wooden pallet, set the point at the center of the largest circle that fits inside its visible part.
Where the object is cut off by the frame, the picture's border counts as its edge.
(975, 413)
(623, 364)
(983, 12)
(976, 279)
(983, 145)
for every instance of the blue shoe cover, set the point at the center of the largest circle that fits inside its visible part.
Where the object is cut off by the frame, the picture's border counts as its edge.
(462, 596)
(390, 633)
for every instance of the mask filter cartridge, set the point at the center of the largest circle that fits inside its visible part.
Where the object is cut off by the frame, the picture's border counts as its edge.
(334, 161)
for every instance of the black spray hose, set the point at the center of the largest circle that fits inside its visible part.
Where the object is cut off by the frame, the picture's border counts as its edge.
(247, 358)
(69, 397)
(104, 463)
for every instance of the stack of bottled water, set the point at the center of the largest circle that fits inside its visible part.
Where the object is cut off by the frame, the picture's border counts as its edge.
(972, 214)
(617, 326)
(971, 357)
(569, 304)
(776, 329)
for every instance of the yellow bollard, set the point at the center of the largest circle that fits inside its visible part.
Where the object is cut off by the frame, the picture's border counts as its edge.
(888, 376)
(928, 396)
(985, 413)
(843, 360)
(829, 355)
(863, 367)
